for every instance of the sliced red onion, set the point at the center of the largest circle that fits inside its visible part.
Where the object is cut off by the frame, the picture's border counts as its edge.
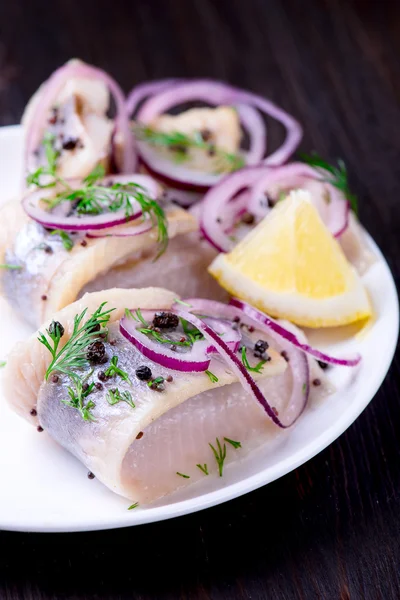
(146, 89)
(216, 93)
(223, 328)
(250, 315)
(297, 175)
(217, 202)
(298, 364)
(215, 207)
(31, 204)
(53, 87)
(131, 231)
(195, 360)
(253, 122)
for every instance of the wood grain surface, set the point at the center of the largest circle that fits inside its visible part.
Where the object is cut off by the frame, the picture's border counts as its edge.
(331, 529)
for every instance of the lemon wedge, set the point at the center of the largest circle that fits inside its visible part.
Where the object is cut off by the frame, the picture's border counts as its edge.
(291, 267)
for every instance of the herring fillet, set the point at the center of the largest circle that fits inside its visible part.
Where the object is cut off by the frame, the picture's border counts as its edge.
(177, 424)
(182, 268)
(49, 281)
(29, 359)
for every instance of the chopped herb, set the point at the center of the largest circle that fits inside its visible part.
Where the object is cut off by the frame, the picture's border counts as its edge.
(2, 363)
(191, 332)
(77, 397)
(115, 396)
(213, 378)
(220, 455)
(203, 468)
(114, 370)
(51, 166)
(10, 267)
(163, 339)
(65, 238)
(335, 175)
(94, 199)
(97, 173)
(182, 302)
(132, 506)
(138, 317)
(257, 368)
(73, 354)
(183, 475)
(233, 443)
(304, 388)
(179, 143)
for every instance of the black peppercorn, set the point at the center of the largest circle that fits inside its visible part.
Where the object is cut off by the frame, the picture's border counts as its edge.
(56, 329)
(70, 143)
(143, 373)
(98, 385)
(101, 375)
(261, 346)
(55, 378)
(96, 352)
(165, 320)
(285, 355)
(322, 364)
(248, 218)
(90, 475)
(33, 412)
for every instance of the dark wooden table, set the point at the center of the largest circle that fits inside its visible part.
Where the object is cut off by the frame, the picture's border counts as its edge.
(331, 529)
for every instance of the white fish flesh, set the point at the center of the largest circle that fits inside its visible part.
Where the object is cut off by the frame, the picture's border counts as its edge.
(137, 452)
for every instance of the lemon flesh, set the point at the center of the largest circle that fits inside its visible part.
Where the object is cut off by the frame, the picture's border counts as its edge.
(291, 267)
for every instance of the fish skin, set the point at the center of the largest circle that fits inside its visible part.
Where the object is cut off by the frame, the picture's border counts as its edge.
(61, 275)
(105, 445)
(28, 360)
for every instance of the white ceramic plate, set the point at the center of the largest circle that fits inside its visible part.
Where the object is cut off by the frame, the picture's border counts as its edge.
(45, 489)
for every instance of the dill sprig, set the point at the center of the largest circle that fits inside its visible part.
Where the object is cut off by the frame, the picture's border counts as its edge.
(213, 378)
(2, 363)
(183, 475)
(335, 175)
(65, 238)
(203, 468)
(92, 198)
(10, 267)
(50, 168)
(115, 396)
(72, 355)
(132, 506)
(113, 370)
(179, 143)
(77, 396)
(258, 367)
(220, 455)
(233, 443)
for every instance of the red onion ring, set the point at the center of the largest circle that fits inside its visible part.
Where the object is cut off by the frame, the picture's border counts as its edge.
(217, 93)
(148, 88)
(31, 201)
(299, 173)
(194, 360)
(216, 203)
(251, 316)
(143, 227)
(217, 200)
(52, 88)
(298, 364)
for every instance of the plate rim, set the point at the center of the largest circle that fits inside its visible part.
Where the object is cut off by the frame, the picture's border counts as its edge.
(251, 483)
